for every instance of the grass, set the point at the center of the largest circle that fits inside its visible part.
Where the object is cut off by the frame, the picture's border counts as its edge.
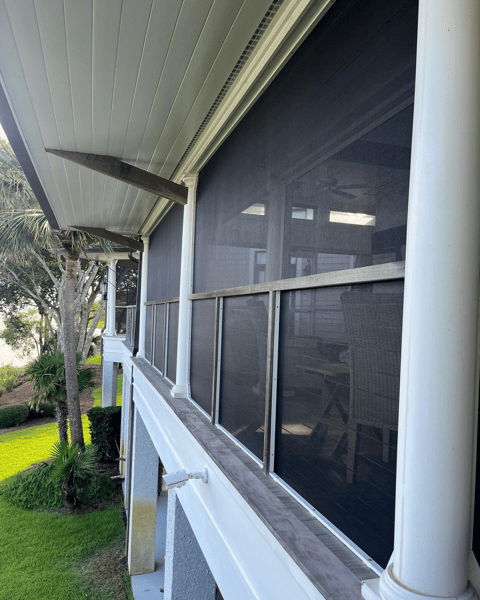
(49, 556)
(42, 554)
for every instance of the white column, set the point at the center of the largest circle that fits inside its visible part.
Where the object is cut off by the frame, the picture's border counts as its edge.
(143, 299)
(180, 389)
(109, 383)
(111, 296)
(437, 389)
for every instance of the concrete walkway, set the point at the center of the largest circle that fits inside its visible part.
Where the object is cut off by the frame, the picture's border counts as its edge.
(151, 585)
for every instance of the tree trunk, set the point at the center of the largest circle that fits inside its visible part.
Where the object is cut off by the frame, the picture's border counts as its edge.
(68, 309)
(61, 414)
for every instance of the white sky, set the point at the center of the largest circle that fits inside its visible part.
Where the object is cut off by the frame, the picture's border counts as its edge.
(2, 133)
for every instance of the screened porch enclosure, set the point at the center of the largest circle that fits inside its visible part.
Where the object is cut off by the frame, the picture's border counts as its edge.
(297, 298)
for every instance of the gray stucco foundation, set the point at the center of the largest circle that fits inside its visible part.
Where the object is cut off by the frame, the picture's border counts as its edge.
(187, 574)
(142, 501)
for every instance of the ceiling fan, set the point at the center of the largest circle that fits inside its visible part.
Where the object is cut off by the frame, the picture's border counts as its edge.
(332, 186)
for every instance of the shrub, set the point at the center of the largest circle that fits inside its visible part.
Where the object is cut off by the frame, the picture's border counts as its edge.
(13, 415)
(105, 431)
(34, 489)
(44, 409)
(9, 377)
(71, 463)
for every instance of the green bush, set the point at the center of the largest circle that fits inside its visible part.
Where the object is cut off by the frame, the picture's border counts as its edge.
(13, 415)
(36, 489)
(105, 431)
(44, 409)
(10, 377)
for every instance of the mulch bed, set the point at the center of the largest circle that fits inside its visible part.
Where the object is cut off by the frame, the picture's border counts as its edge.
(24, 393)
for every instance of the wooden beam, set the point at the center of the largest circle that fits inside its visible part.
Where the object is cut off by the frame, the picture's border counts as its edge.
(114, 167)
(116, 238)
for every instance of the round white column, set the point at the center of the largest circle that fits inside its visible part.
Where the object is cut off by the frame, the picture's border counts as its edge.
(180, 389)
(437, 389)
(143, 299)
(111, 296)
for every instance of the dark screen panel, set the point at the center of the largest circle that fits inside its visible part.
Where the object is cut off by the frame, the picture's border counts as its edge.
(201, 357)
(172, 341)
(339, 373)
(243, 369)
(164, 255)
(159, 353)
(315, 177)
(149, 332)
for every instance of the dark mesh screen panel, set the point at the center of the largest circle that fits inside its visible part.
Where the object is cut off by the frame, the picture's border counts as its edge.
(201, 357)
(172, 341)
(126, 295)
(339, 373)
(149, 332)
(159, 352)
(315, 177)
(120, 321)
(243, 369)
(164, 257)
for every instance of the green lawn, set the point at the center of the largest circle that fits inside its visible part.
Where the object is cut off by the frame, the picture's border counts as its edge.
(51, 556)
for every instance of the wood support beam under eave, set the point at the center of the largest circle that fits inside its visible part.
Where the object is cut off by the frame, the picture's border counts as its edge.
(116, 238)
(114, 167)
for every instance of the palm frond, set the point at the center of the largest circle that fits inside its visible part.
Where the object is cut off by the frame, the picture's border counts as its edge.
(15, 191)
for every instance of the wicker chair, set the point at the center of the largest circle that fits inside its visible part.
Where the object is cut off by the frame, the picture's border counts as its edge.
(374, 329)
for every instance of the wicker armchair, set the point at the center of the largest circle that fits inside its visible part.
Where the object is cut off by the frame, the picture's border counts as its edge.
(374, 329)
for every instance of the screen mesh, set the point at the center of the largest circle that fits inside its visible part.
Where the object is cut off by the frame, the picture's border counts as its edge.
(172, 341)
(201, 356)
(243, 369)
(164, 255)
(315, 177)
(159, 351)
(339, 373)
(126, 295)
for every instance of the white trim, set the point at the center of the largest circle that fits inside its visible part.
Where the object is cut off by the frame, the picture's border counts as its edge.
(289, 28)
(292, 24)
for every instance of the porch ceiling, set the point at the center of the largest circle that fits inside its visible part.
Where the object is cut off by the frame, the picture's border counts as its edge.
(132, 79)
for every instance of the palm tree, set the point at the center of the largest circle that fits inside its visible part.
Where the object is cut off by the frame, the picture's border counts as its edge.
(48, 375)
(24, 234)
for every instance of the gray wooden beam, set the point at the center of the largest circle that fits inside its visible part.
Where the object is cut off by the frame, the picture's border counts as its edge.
(116, 238)
(114, 167)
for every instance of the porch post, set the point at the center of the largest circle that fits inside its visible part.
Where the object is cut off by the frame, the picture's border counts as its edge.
(180, 389)
(187, 574)
(143, 500)
(109, 368)
(111, 296)
(143, 299)
(437, 388)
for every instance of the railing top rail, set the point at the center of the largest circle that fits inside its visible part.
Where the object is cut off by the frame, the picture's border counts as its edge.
(370, 274)
(166, 301)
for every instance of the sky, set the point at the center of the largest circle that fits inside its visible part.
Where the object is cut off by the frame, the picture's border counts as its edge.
(2, 133)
